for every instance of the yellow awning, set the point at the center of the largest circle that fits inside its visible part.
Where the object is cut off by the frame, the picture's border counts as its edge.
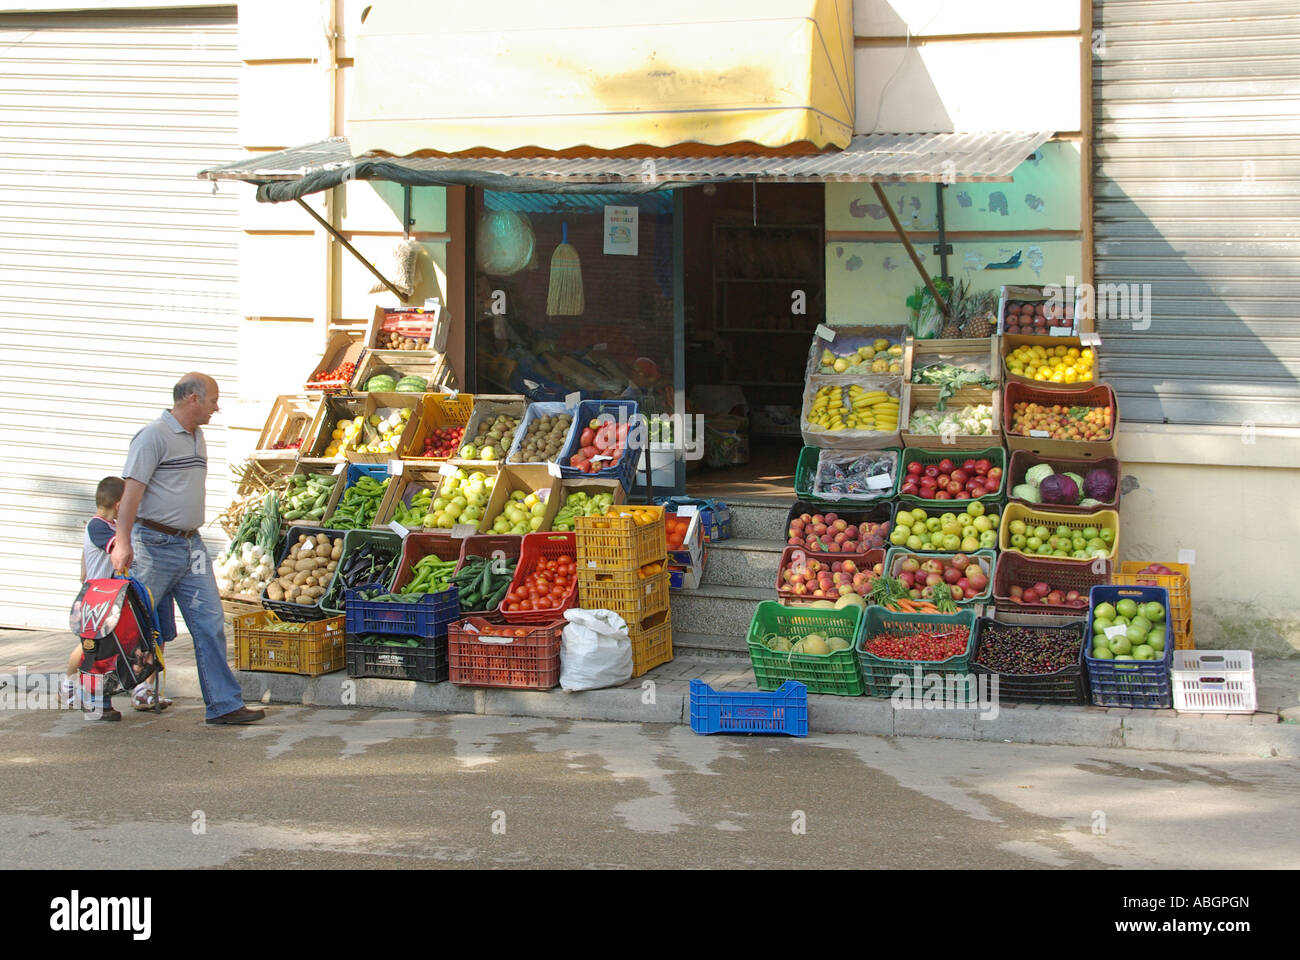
(592, 76)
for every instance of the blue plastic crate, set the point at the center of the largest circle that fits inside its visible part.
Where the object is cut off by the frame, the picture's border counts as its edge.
(1145, 684)
(588, 410)
(531, 413)
(376, 471)
(715, 516)
(784, 710)
(427, 619)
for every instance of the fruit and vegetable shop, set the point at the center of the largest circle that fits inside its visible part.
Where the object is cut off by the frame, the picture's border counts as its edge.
(752, 375)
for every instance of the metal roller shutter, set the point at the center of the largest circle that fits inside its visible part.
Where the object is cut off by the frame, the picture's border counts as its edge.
(120, 268)
(1196, 107)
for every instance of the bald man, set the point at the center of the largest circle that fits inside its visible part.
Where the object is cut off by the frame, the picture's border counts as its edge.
(158, 541)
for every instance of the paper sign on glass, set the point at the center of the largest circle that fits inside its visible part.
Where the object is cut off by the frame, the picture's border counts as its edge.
(622, 225)
(825, 332)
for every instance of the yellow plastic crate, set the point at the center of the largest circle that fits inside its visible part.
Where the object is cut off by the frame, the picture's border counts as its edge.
(1179, 585)
(1033, 516)
(437, 410)
(652, 642)
(632, 601)
(312, 648)
(611, 544)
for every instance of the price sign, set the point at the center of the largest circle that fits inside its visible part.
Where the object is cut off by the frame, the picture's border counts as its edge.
(398, 529)
(394, 468)
(1187, 556)
(462, 530)
(553, 468)
(1090, 339)
(687, 510)
(446, 470)
(1118, 630)
(531, 384)
(825, 332)
(338, 468)
(1060, 331)
(573, 399)
(1039, 433)
(880, 481)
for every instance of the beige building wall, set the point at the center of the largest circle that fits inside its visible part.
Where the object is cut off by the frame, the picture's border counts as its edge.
(297, 284)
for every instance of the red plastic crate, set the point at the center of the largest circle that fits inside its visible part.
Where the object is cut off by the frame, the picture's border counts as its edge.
(1022, 460)
(542, 546)
(485, 545)
(487, 653)
(863, 561)
(416, 547)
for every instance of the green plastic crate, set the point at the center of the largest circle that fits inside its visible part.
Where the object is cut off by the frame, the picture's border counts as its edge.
(835, 673)
(805, 474)
(878, 673)
(996, 455)
(353, 540)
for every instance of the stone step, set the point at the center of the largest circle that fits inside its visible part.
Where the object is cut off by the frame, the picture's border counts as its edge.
(759, 519)
(710, 645)
(718, 610)
(742, 562)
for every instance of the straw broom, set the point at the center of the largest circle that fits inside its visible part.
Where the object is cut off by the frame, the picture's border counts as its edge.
(564, 298)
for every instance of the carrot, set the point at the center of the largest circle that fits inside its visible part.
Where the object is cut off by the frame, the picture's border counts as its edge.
(906, 606)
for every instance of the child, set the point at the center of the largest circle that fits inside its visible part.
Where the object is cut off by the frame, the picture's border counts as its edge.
(96, 565)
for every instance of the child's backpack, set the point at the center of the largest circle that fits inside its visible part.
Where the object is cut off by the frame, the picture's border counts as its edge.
(119, 631)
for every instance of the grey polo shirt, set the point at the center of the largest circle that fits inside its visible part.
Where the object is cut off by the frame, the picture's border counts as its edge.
(173, 465)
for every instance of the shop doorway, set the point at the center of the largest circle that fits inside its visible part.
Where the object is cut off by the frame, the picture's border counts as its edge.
(754, 289)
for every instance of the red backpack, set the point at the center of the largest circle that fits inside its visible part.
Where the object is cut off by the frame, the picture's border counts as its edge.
(119, 631)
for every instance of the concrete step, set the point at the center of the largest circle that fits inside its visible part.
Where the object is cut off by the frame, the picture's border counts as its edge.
(759, 519)
(742, 562)
(718, 610)
(710, 645)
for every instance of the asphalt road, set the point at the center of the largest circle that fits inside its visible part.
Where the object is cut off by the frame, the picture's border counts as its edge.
(337, 788)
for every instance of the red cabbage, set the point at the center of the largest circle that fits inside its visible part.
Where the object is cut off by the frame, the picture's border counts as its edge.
(1058, 488)
(1099, 484)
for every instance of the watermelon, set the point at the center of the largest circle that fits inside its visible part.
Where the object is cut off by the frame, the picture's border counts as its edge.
(381, 383)
(412, 384)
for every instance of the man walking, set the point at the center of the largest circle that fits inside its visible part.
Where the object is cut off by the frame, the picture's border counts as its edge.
(157, 537)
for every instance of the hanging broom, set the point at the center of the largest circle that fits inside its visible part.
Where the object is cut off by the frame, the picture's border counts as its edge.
(564, 298)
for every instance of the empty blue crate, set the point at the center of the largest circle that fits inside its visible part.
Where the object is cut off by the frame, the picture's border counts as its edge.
(427, 618)
(784, 710)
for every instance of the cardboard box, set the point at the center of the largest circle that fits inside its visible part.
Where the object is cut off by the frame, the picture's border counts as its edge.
(1012, 341)
(531, 478)
(342, 348)
(489, 407)
(412, 322)
(854, 440)
(1067, 325)
(692, 552)
(687, 578)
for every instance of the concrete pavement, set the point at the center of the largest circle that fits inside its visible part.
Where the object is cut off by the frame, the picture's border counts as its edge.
(663, 696)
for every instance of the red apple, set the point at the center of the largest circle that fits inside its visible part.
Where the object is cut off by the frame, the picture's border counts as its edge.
(958, 592)
(951, 576)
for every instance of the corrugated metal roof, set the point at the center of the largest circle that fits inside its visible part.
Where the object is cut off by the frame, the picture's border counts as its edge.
(946, 157)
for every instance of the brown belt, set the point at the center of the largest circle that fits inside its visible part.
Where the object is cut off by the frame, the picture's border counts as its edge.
(163, 528)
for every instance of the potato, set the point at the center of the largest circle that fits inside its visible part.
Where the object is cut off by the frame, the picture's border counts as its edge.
(293, 592)
(337, 552)
(284, 568)
(305, 601)
(274, 591)
(310, 581)
(323, 540)
(332, 566)
(300, 578)
(306, 564)
(285, 583)
(302, 537)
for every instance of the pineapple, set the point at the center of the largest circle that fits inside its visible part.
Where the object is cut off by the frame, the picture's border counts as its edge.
(970, 312)
(979, 327)
(950, 331)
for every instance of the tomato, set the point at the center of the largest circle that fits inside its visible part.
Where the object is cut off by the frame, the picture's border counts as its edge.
(526, 605)
(512, 607)
(565, 558)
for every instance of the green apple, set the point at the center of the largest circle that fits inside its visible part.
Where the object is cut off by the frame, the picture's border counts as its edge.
(1107, 535)
(1105, 611)
(932, 524)
(1044, 550)
(976, 509)
(1059, 553)
(919, 514)
(951, 526)
(1123, 656)
(918, 528)
(1064, 531)
(1127, 608)
(1119, 644)
(1042, 533)
(983, 523)
(968, 530)
(914, 542)
(1156, 641)
(1102, 653)
(903, 519)
(1154, 612)
(1096, 543)
(1099, 624)
(1018, 541)
(1136, 635)
(988, 539)
(898, 536)
(1079, 555)
(1089, 532)
(1141, 622)
(949, 518)
(1017, 526)
(1120, 619)
(1034, 542)
(1143, 652)
(951, 542)
(970, 544)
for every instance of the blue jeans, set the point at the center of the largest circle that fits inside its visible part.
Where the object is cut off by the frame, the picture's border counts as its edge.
(174, 568)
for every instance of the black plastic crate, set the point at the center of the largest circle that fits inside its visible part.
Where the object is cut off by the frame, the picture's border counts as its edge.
(427, 663)
(1066, 686)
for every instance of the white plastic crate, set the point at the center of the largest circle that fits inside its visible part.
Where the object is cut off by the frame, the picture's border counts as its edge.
(1213, 681)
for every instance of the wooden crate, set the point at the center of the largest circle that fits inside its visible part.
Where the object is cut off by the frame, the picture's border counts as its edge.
(927, 351)
(294, 416)
(430, 367)
(1094, 394)
(920, 396)
(489, 407)
(414, 322)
